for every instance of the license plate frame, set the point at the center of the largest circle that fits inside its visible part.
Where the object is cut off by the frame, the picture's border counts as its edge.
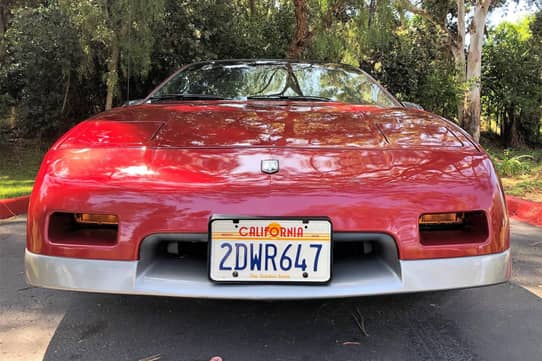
(239, 219)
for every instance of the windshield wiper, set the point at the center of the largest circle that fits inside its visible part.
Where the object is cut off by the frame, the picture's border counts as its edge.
(289, 97)
(181, 96)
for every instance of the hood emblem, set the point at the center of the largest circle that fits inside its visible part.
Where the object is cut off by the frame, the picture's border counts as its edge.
(270, 166)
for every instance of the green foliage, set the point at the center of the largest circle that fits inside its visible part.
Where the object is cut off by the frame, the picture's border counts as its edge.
(510, 165)
(512, 81)
(405, 54)
(59, 58)
(359, 31)
(415, 67)
(42, 56)
(218, 29)
(118, 33)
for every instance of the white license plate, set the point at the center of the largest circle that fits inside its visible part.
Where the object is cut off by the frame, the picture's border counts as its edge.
(270, 250)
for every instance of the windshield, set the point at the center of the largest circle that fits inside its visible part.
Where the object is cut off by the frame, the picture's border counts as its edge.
(275, 81)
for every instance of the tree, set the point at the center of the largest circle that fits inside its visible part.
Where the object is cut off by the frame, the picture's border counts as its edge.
(398, 50)
(6, 8)
(422, 58)
(513, 81)
(88, 70)
(451, 21)
(302, 33)
(414, 67)
(217, 29)
(327, 14)
(39, 69)
(4, 13)
(117, 31)
(354, 32)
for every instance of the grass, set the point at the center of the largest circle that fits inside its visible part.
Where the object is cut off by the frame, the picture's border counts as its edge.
(520, 170)
(530, 189)
(19, 165)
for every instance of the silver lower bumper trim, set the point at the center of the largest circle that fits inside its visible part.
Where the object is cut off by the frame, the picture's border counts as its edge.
(123, 277)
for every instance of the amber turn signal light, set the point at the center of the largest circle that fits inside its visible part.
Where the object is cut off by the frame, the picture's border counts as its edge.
(87, 218)
(441, 218)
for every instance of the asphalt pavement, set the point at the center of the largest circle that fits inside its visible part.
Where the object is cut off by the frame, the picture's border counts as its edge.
(502, 322)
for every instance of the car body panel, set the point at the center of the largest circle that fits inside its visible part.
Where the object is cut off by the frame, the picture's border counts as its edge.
(165, 169)
(162, 175)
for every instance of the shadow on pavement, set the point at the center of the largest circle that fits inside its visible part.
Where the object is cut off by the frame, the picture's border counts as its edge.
(453, 325)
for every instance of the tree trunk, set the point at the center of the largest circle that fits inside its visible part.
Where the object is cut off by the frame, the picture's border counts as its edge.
(538, 133)
(503, 117)
(471, 113)
(472, 107)
(4, 13)
(66, 93)
(372, 11)
(301, 34)
(112, 73)
(252, 6)
(2, 22)
(12, 117)
(514, 136)
(458, 52)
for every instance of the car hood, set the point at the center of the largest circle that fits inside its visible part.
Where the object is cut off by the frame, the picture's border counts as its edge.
(267, 124)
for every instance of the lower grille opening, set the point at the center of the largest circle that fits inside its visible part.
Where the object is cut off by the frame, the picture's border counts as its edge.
(367, 254)
(183, 257)
(181, 250)
(352, 250)
(174, 256)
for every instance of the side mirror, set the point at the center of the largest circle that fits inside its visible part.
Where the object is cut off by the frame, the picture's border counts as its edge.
(129, 103)
(411, 105)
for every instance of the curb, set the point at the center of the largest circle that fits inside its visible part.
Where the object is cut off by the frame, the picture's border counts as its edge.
(521, 209)
(524, 210)
(12, 207)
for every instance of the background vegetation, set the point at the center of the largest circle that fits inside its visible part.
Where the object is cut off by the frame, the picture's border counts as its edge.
(63, 60)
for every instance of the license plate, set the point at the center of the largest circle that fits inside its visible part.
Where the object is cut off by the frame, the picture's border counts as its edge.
(270, 250)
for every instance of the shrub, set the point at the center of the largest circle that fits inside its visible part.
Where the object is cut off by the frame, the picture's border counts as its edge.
(511, 166)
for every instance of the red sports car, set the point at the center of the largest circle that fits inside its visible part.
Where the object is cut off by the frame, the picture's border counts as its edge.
(266, 179)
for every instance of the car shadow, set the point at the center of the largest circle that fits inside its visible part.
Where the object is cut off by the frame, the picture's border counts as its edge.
(110, 327)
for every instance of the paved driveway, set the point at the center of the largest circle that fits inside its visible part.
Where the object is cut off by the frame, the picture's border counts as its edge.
(501, 322)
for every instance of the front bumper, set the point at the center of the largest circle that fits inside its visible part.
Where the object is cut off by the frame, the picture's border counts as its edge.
(128, 277)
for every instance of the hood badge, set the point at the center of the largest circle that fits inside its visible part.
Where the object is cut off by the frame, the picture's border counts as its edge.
(270, 166)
